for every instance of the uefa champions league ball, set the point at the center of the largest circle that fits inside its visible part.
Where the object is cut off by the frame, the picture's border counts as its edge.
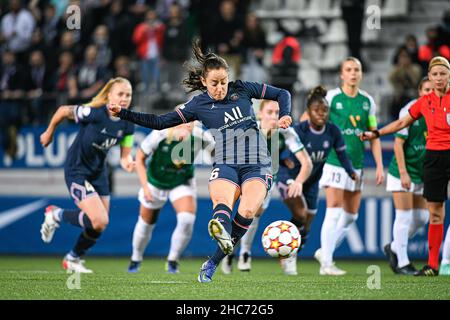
(281, 239)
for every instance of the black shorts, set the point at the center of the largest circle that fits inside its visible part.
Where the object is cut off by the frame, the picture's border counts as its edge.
(436, 175)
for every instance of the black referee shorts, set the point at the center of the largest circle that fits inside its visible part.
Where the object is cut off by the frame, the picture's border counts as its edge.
(436, 175)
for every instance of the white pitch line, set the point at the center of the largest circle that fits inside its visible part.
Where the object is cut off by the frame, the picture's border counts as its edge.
(167, 282)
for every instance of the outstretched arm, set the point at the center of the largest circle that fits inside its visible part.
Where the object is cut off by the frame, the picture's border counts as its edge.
(63, 112)
(392, 127)
(149, 120)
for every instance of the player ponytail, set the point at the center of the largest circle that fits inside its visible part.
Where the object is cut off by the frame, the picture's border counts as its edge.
(102, 97)
(317, 94)
(210, 61)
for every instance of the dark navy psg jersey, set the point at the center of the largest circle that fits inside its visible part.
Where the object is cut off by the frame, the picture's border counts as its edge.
(318, 144)
(231, 121)
(98, 133)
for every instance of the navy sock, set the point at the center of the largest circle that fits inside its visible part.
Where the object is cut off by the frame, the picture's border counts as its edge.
(76, 218)
(240, 226)
(85, 241)
(222, 213)
(302, 229)
(297, 223)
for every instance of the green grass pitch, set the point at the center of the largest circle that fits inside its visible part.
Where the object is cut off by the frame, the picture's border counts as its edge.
(43, 278)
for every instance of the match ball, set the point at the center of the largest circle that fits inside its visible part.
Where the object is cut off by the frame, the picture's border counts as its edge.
(281, 239)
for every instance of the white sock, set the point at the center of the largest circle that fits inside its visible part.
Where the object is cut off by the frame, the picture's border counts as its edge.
(399, 244)
(247, 239)
(141, 236)
(181, 235)
(344, 223)
(420, 219)
(446, 248)
(328, 234)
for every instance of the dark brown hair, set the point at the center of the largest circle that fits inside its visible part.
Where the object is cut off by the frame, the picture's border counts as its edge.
(210, 61)
(317, 94)
(421, 83)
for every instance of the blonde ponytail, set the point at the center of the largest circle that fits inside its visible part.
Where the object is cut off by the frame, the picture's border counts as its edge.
(102, 97)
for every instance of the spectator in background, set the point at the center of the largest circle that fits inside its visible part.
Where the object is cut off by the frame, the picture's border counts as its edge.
(100, 39)
(432, 49)
(122, 68)
(11, 87)
(37, 83)
(51, 25)
(65, 72)
(228, 33)
(411, 46)
(66, 43)
(176, 47)
(443, 30)
(69, 43)
(89, 78)
(138, 10)
(120, 28)
(353, 15)
(404, 79)
(285, 59)
(17, 27)
(164, 7)
(205, 15)
(253, 49)
(37, 42)
(148, 37)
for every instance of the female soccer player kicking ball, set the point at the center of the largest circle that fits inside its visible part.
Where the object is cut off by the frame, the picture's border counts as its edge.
(242, 164)
(435, 108)
(85, 172)
(405, 181)
(167, 178)
(278, 141)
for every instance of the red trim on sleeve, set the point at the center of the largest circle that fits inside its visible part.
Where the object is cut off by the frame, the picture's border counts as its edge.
(263, 91)
(181, 115)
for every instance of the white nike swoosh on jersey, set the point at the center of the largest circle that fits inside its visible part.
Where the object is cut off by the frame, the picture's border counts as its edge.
(213, 106)
(103, 130)
(12, 215)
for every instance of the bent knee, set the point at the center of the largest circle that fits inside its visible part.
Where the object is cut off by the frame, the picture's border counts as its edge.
(436, 218)
(247, 212)
(99, 224)
(222, 200)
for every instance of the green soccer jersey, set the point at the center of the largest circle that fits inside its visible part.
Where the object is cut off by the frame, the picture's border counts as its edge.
(353, 115)
(414, 148)
(171, 162)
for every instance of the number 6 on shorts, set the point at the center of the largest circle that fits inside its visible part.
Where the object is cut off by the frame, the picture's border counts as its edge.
(214, 174)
